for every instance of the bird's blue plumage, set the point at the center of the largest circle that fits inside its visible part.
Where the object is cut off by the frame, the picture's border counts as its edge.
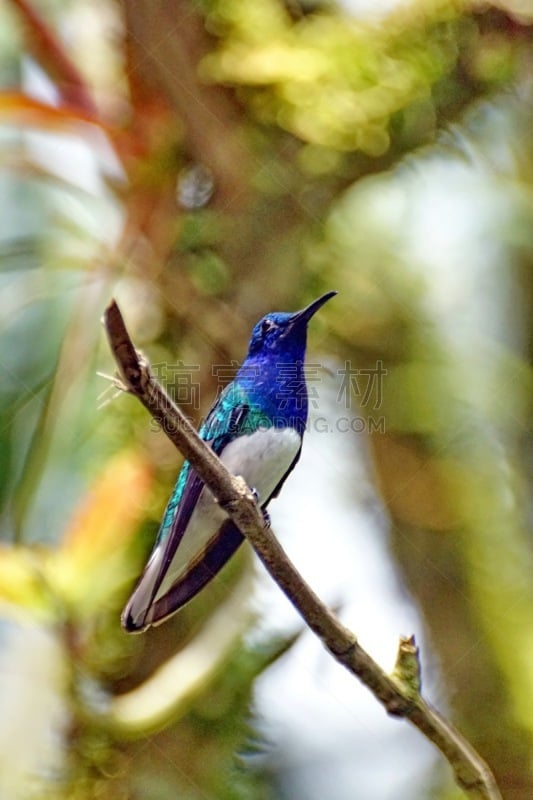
(255, 427)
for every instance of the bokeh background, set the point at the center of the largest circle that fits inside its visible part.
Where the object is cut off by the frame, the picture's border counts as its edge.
(204, 163)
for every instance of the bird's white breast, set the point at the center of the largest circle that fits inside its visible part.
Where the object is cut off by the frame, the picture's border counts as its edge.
(262, 458)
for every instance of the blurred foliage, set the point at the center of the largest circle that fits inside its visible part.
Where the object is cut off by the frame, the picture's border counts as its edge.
(332, 81)
(204, 163)
(457, 400)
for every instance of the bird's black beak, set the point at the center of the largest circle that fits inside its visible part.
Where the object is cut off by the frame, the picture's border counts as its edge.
(306, 313)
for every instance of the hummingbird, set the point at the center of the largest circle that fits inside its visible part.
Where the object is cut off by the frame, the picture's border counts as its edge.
(256, 427)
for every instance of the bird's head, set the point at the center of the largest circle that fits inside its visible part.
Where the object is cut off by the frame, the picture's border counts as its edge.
(280, 333)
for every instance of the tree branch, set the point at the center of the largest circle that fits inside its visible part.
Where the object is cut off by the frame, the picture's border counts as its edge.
(398, 693)
(52, 55)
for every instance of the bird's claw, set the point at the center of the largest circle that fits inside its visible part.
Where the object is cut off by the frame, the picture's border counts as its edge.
(266, 515)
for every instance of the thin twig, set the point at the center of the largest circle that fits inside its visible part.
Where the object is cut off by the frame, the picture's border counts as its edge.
(399, 692)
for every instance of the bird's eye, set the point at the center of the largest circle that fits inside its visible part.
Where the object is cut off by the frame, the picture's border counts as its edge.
(266, 326)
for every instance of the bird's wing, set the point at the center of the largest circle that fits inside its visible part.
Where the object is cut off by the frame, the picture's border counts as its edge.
(158, 594)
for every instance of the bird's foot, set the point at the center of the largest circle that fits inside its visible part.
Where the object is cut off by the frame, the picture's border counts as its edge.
(266, 515)
(255, 494)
